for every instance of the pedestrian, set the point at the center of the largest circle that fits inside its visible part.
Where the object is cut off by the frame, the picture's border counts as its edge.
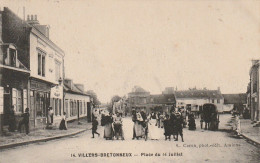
(134, 119)
(63, 123)
(168, 130)
(138, 128)
(178, 125)
(158, 119)
(49, 117)
(154, 131)
(192, 124)
(118, 126)
(11, 120)
(108, 128)
(94, 127)
(25, 121)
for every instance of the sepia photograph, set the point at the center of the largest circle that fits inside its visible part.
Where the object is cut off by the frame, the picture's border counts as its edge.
(132, 81)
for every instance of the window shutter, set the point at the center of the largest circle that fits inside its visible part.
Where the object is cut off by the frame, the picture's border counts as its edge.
(14, 99)
(24, 99)
(1, 100)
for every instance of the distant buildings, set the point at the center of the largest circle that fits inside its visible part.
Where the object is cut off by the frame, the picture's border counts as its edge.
(190, 99)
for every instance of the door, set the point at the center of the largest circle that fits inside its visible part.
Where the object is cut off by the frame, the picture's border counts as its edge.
(88, 111)
(7, 104)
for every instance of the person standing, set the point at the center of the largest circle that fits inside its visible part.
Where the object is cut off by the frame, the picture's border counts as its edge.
(11, 118)
(63, 123)
(178, 126)
(108, 128)
(94, 127)
(134, 119)
(25, 121)
(168, 129)
(192, 124)
(154, 131)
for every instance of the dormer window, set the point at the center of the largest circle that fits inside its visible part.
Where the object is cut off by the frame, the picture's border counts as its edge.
(10, 56)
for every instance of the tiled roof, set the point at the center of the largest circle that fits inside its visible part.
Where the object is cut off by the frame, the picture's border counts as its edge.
(74, 90)
(161, 99)
(201, 94)
(235, 98)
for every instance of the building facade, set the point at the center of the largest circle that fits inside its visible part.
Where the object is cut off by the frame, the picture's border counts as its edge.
(194, 99)
(41, 63)
(253, 92)
(77, 104)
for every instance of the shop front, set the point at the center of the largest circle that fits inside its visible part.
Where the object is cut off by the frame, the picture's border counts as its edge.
(56, 102)
(39, 102)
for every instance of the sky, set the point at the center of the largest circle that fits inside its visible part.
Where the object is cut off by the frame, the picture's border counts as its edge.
(113, 45)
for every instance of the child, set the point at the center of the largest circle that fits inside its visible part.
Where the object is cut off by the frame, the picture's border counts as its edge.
(94, 127)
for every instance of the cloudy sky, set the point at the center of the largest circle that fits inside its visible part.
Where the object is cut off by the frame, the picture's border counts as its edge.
(112, 45)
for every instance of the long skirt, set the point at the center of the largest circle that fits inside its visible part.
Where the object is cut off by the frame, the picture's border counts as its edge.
(154, 131)
(108, 131)
(138, 129)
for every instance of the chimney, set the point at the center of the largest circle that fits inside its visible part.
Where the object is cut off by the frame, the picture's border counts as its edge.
(218, 88)
(80, 87)
(68, 83)
(33, 21)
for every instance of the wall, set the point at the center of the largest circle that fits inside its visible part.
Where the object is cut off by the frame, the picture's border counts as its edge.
(50, 58)
(70, 96)
(200, 102)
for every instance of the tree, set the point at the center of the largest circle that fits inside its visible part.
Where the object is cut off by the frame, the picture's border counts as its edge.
(94, 96)
(115, 98)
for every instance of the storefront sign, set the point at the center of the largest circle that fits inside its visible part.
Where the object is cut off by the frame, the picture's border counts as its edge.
(57, 92)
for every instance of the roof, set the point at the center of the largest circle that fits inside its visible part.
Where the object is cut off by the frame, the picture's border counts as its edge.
(200, 94)
(74, 90)
(240, 98)
(161, 99)
(36, 30)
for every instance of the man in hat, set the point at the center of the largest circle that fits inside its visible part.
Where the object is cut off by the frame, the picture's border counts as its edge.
(178, 124)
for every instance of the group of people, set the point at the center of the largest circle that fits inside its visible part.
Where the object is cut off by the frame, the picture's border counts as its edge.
(113, 126)
(150, 125)
(24, 121)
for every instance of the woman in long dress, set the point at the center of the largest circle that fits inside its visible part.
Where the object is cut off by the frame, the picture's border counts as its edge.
(154, 131)
(108, 128)
(138, 128)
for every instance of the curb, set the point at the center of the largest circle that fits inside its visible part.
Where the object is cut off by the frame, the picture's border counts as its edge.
(250, 139)
(6, 146)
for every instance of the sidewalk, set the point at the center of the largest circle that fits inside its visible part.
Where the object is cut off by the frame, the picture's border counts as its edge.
(250, 132)
(38, 135)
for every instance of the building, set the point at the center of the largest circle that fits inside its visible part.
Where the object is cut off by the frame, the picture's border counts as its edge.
(41, 68)
(253, 92)
(142, 99)
(234, 101)
(194, 99)
(138, 98)
(161, 103)
(77, 104)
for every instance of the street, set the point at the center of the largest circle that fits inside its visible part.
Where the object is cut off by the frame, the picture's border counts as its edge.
(198, 146)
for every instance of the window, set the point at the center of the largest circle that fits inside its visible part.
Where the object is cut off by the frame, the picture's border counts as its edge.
(66, 108)
(71, 108)
(10, 57)
(60, 111)
(57, 70)
(218, 101)
(41, 63)
(17, 100)
(212, 100)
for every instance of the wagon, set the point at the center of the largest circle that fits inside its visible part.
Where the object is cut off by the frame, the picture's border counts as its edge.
(210, 116)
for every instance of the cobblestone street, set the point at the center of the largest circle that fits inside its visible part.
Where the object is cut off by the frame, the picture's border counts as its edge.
(200, 145)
